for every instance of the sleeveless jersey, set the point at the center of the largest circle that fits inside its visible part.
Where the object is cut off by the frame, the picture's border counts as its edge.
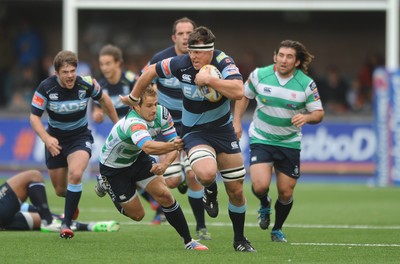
(198, 112)
(123, 87)
(66, 108)
(124, 142)
(277, 103)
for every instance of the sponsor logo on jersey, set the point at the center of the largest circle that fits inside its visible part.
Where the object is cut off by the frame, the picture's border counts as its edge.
(316, 94)
(81, 94)
(137, 127)
(293, 96)
(313, 85)
(267, 89)
(232, 69)
(165, 113)
(37, 100)
(186, 78)
(221, 56)
(69, 107)
(53, 96)
(165, 66)
(87, 79)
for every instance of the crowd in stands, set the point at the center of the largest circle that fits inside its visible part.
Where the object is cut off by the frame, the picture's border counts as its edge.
(24, 62)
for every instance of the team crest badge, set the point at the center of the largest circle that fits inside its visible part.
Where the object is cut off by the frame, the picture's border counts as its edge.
(82, 94)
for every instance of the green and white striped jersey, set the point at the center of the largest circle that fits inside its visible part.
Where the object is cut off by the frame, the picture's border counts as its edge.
(278, 100)
(124, 142)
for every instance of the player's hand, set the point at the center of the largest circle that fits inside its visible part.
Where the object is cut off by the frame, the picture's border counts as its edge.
(178, 143)
(299, 120)
(158, 168)
(202, 78)
(98, 116)
(237, 126)
(53, 146)
(126, 101)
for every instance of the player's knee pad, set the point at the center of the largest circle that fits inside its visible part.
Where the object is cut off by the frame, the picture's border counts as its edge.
(185, 164)
(199, 154)
(233, 174)
(173, 170)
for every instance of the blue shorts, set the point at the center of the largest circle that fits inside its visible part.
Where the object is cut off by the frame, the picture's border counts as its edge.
(9, 205)
(123, 181)
(285, 160)
(221, 139)
(83, 141)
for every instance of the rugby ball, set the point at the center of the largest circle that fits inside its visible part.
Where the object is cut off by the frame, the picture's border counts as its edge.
(207, 91)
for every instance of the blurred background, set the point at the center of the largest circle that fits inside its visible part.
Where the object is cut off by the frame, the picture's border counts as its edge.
(348, 47)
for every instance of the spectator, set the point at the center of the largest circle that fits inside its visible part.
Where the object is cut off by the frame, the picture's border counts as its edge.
(335, 90)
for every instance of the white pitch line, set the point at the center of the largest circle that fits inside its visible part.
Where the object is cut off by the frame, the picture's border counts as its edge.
(286, 225)
(345, 245)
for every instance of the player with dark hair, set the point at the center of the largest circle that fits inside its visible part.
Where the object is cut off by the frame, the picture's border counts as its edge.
(180, 175)
(15, 216)
(287, 98)
(125, 163)
(207, 130)
(68, 141)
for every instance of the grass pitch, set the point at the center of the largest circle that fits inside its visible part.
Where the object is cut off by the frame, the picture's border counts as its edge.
(329, 223)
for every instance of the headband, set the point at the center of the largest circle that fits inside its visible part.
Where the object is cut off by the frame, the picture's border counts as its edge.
(200, 47)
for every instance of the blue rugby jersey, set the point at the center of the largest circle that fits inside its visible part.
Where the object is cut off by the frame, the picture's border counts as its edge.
(66, 108)
(123, 87)
(198, 112)
(169, 89)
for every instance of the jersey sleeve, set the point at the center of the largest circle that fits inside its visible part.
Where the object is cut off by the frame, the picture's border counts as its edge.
(227, 67)
(250, 85)
(313, 101)
(138, 132)
(168, 130)
(163, 68)
(39, 101)
(96, 91)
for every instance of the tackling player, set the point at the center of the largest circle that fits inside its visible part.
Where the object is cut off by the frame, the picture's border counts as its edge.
(125, 162)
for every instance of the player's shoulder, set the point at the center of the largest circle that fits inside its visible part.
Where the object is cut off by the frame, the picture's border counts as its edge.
(225, 64)
(163, 54)
(85, 80)
(48, 83)
(130, 76)
(302, 78)
(162, 112)
(266, 70)
(132, 119)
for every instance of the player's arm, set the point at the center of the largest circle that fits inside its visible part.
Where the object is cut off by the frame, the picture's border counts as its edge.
(230, 88)
(158, 147)
(97, 114)
(239, 109)
(107, 105)
(51, 143)
(160, 167)
(144, 80)
(313, 117)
